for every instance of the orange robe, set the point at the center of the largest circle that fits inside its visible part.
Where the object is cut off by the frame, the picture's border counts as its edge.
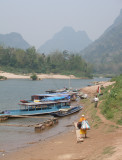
(82, 131)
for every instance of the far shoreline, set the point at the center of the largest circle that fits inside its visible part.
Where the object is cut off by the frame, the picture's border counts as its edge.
(40, 76)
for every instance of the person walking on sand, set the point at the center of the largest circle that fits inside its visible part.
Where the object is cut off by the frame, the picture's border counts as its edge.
(96, 99)
(82, 131)
(98, 90)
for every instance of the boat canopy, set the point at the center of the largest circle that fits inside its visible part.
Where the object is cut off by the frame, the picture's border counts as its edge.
(43, 95)
(37, 103)
(40, 96)
(44, 103)
(54, 98)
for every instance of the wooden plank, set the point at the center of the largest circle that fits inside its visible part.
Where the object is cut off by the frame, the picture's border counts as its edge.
(78, 133)
(21, 116)
(16, 125)
(54, 121)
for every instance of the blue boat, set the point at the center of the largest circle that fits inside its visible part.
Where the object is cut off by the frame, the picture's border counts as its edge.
(52, 97)
(55, 98)
(66, 111)
(37, 108)
(46, 97)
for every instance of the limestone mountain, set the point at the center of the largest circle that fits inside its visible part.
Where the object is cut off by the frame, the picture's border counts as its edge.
(66, 39)
(106, 52)
(14, 40)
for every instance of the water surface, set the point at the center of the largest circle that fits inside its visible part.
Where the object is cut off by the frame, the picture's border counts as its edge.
(11, 91)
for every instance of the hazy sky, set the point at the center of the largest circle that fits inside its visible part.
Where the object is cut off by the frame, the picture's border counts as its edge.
(38, 20)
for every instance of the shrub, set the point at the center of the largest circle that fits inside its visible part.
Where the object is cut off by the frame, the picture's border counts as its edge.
(3, 78)
(34, 76)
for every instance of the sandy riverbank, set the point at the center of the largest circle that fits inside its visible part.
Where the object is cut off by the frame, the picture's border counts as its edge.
(40, 76)
(64, 146)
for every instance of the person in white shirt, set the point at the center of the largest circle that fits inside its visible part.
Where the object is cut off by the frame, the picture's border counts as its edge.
(96, 99)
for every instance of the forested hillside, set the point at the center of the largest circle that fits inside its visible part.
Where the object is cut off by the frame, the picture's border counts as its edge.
(106, 52)
(18, 60)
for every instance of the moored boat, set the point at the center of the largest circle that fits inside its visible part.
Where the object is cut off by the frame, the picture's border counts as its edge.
(66, 112)
(37, 108)
(46, 97)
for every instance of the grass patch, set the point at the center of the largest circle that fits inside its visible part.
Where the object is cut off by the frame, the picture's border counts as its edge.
(95, 118)
(89, 110)
(3, 78)
(119, 121)
(108, 150)
(96, 126)
(112, 101)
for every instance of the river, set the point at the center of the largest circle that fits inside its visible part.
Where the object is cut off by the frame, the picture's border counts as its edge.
(11, 91)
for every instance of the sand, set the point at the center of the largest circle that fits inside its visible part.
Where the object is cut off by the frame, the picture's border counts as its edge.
(91, 90)
(40, 76)
(99, 145)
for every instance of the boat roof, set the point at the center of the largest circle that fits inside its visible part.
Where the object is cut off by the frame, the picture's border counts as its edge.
(43, 103)
(55, 94)
(65, 93)
(37, 103)
(43, 95)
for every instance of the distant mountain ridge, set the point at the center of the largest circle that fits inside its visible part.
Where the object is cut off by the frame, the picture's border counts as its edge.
(14, 40)
(66, 39)
(106, 52)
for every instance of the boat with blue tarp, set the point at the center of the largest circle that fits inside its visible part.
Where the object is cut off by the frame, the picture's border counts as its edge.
(37, 98)
(55, 98)
(47, 97)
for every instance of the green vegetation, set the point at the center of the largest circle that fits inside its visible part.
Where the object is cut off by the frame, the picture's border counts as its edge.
(90, 110)
(111, 106)
(2, 78)
(34, 76)
(29, 61)
(96, 120)
(109, 150)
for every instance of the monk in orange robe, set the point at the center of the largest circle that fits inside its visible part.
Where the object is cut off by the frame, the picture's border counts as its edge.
(82, 131)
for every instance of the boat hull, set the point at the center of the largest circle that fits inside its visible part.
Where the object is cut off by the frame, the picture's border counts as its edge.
(69, 112)
(11, 113)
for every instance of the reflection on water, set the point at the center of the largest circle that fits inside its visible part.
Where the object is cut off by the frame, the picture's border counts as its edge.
(11, 91)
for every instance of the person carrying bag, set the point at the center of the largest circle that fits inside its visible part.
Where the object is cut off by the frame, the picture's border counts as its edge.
(83, 126)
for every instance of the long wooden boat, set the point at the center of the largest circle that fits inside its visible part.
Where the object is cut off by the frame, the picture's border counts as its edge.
(52, 97)
(46, 97)
(57, 91)
(66, 112)
(37, 108)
